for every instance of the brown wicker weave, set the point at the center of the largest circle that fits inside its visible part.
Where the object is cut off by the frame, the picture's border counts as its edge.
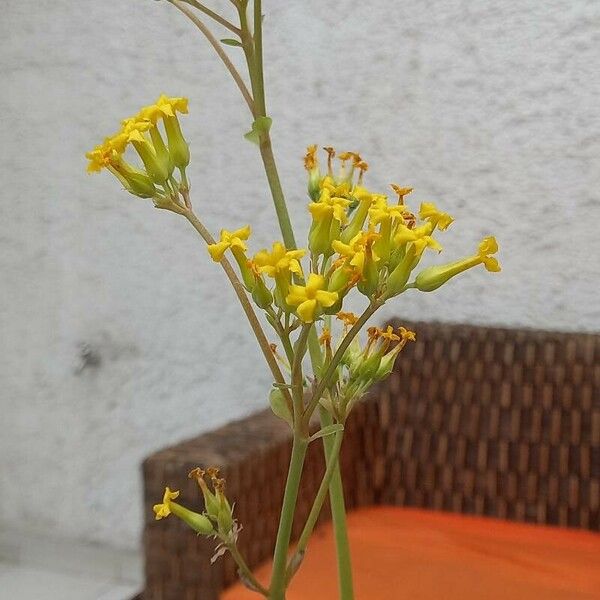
(488, 421)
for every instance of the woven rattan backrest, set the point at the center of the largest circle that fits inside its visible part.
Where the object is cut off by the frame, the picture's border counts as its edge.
(490, 421)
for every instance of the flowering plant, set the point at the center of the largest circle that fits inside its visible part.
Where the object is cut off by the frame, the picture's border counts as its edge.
(360, 242)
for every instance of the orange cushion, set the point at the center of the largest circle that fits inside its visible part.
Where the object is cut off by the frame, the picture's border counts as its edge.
(402, 553)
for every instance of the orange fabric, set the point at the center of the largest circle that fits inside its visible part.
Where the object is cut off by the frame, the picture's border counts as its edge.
(413, 554)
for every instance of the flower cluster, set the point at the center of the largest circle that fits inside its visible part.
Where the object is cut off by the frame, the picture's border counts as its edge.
(358, 238)
(159, 159)
(217, 518)
(361, 365)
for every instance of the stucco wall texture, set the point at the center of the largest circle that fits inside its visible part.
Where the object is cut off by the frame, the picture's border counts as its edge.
(119, 336)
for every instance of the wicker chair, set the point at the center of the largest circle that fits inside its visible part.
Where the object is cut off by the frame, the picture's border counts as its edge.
(488, 421)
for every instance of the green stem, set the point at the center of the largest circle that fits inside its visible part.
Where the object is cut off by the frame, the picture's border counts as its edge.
(285, 224)
(338, 513)
(179, 4)
(245, 571)
(278, 578)
(315, 511)
(297, 392)
(213, 15)
(283, 217)
(258, 59)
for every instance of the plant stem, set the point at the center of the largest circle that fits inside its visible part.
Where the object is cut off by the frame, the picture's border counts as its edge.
(315, 511)
(258, 59)
(245, 571)
(213, 15)
(263, 342)
(299, 352)
(179, 4)
(278, 578)
(285, 224)
(283, 217)
(338, 513)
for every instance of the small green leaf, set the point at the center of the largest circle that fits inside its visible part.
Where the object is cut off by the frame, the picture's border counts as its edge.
(260, 126)
(329, 430)
(279, 406)
(231, 42)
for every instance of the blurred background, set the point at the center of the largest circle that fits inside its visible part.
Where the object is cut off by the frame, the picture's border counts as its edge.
(118, 334)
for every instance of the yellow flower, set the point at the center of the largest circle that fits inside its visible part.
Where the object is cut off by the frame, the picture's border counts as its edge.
(433, 277)
(382, 212)
(311, 297)
(419, 236)
(429, 212)
(164, 107)
(355, 251)
(329, 206)
(164, 510)
(101, 157)
(278, 261)
(230, 239)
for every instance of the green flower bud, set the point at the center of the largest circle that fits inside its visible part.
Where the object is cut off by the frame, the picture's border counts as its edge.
(261, 294)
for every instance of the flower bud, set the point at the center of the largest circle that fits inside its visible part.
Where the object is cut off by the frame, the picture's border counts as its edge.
(261, 294)
(433, 277)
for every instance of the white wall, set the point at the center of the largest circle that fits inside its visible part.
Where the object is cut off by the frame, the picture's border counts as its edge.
(488, 108)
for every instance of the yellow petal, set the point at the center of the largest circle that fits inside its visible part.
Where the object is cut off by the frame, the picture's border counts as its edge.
(326, 299)
(243, 233)
(296, 296)
(306, 310)
(217, 250)
(488, 245)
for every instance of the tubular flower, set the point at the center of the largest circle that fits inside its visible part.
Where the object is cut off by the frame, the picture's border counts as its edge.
(328, 215)
(164, 509)
(388, 218)
(279, 261)
(411, 245)
(109, 155)
(429, 212)
(163, 108)
(356, 250)
(329, 206)
(279, 264)
(433, 277)
(199, 523)
(166, 108)
(233, 240)
(310, 298)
